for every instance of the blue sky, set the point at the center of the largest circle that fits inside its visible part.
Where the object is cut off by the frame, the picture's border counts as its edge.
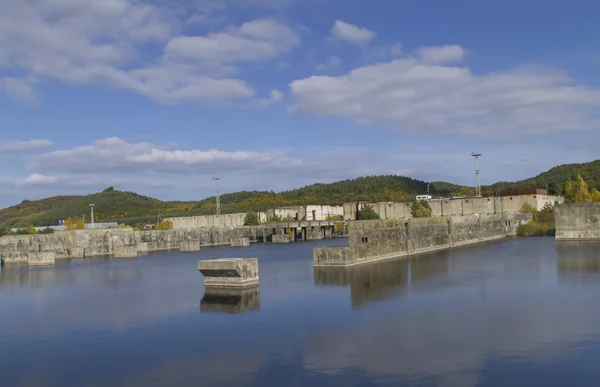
(158, 96)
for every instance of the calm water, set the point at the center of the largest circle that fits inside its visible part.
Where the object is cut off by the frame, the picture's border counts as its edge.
(521, 312)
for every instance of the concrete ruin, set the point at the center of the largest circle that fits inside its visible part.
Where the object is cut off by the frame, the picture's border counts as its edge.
(14, 249)
(125, 251)
(229, 272)
(577, 221)
(230, 300)
(189, 246)
(43, 258)
(240, 242)
(374, 240)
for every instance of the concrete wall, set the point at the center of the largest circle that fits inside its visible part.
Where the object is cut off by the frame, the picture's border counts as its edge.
(89, 243)
(382, 239)
(223, 220)
(321, 212)
(577, 221)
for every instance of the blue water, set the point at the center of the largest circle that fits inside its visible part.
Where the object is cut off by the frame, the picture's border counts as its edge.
(521, 312)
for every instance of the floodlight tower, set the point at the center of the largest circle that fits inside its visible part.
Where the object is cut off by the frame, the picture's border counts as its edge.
(92, 212)
(216, 179)
(477, 180)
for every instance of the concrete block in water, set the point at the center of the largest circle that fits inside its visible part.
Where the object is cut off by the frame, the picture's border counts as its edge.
(125, 251)
(142, 248)
(229, 272)
(280, 238)
(240, 242)
(230, 300)
(76, 252)
(42, 258)
(189, 246)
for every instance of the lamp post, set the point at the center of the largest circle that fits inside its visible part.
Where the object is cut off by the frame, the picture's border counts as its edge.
(477, 180)
(216, 179)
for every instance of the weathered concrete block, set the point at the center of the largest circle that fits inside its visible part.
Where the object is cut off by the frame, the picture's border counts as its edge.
(240, 242)
(125, 251)
(142, 248)
(334, 256)
(230, 300)
(76, 252)
(280, 238)
(189, 246)
(42, 258)
(229, 272)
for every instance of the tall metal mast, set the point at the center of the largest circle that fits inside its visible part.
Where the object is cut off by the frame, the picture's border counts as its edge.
(477, 180)
(216, 179)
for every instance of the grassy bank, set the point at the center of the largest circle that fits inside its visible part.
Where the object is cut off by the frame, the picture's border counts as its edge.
(536, 229)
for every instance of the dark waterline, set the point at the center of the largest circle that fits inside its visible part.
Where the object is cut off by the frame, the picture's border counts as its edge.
(520, 312)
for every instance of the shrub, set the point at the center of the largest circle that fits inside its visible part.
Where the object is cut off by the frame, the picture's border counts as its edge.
(527, 208)
(535, 229)
(367, 213)
(164, 225)
(420, 209)
(31, 230)
(46, 230)
(251, 219)
(74, 223)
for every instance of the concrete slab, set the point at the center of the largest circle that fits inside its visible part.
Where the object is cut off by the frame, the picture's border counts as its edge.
(189, 246)
(230, 300)
(240, 242)
(229, 272)
(125, 251)
(42, 258)
(280, 238)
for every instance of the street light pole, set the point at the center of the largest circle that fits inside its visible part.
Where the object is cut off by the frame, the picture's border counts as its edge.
(92, 210)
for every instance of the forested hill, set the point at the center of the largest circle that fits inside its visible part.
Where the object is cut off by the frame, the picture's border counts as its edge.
(135, 209)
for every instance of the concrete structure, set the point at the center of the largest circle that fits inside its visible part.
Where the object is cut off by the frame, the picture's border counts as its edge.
(41, 258)
(205, 221)
(240, 242)
(14, 249)
(383, 239)
(306, 213)
(577, 221)
(189, 246)
(230, 300)
(457, 206)
(229, 272)
(125, 251)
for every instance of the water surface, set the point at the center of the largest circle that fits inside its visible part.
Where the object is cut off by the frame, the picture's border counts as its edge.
(520, 312)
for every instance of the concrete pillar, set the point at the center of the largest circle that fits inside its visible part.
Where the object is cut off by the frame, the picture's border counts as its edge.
(240, 242)
(229, 272)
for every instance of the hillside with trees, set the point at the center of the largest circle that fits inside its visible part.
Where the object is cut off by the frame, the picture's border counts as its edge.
(136, 210)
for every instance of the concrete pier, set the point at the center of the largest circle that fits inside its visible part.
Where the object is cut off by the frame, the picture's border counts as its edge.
(230, 300)
(375, 240)
(189, 246)
(42, 258)
(240, 242)
(125, 251)
(229, 272)
(577, 221)
(280, 238)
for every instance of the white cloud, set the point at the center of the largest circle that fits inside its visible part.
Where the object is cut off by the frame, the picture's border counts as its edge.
(36, 179)
(442, 54)
(19, 89)
(116, 155)
(24, 146)
(252, 41)
(332, 62)
(100, 42)
(351, 33)
(411, 94)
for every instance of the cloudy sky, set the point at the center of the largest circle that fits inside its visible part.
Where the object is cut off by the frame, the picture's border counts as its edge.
(156, 96)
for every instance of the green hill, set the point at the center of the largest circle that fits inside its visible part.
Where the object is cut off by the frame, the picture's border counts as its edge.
(135, 209)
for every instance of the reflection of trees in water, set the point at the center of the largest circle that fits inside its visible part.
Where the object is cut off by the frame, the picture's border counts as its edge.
(230, 300)
(578, 256)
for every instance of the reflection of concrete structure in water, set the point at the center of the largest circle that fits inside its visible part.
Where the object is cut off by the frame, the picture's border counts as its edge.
(578, 257)
(380, 280)
(230, 300)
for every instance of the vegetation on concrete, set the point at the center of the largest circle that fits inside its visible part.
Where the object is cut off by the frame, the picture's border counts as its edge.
(74, 223)
(527, 208)
(138, 210)
(420, 209)
(541, 225)
(164, 225)
(251, 219)
(367, 213)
